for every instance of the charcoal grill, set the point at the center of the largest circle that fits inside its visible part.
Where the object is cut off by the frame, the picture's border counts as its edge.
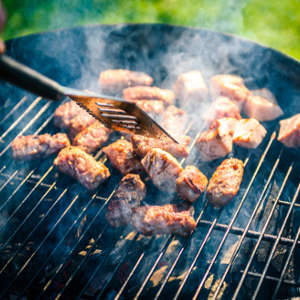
(54, 240)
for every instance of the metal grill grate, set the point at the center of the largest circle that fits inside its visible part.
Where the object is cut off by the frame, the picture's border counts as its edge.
(55, 242)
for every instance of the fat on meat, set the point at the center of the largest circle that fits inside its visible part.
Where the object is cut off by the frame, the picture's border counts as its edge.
(289, 132)
(83, 167)
(165, 219)
(38, 146)
(129, 194)
(162, 168)
(225, 182)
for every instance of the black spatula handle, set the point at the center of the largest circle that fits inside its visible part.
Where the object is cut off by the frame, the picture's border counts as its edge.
(29, 79)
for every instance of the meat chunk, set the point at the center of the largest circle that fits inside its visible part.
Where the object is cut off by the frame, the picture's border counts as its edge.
(81, 166)
(248, 133)
(130, 193)
(225, 182)
(65, 113)
(216, 142)
(114, 81)
(289, 133)
(79, 123)
(142, 145)
(122, 157)
(230, 86)
(191, 183)
(38, 146)
(222, 107)
(163, 169)
(191, 89)
(166, 219)
(265, 93)
(92, 138)
(150, 93)
(154, 108)
(262, 109)
(174, 122)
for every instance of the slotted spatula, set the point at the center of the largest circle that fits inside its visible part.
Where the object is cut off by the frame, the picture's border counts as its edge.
(115, 113)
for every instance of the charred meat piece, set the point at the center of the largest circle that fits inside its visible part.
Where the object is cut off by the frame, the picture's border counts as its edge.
(122, 157)
(81, 166)
(191, 183)
(65, 113)
(191, 89)
(248, 133)
(150, 93)
(230, 86)
(262, 109)
(163, 169)
(79, 123)
(225, 182)
(154, 108)
(289, 133)
(166, 219)
(114, 81)
(223, 107)
(130, 193)
(38, 146)
(92, 138)
(142, 145)
(216, 142)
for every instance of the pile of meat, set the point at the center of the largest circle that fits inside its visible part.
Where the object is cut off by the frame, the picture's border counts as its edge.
(233, 118)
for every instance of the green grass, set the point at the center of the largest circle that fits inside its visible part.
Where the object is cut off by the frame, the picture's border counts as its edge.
(275, 23)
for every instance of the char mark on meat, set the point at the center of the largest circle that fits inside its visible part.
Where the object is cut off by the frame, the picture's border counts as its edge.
(191, 183)
(225, 182)
(83, 167)
(166, 219)
(122, 157)
(130, 193)
(162, 168)
(38, 146)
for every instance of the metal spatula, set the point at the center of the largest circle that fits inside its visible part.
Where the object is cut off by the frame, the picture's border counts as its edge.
(115, 113)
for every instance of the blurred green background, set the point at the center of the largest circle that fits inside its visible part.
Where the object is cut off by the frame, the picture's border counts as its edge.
(275, 23)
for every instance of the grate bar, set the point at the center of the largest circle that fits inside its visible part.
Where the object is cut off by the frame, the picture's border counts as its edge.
(286, 265)
(262, 233)
(15, 123)
(261, 199)
(7, 181)
(235, 215)
(276, 243)
(13, 110)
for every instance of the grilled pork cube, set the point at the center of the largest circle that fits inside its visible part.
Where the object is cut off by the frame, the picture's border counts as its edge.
(216, 142)
(38, 146)
(142, 145)
(122, 157)
(190, 88)
(262, 109)
(81, 166)
(289, 133)
(265, 93)
(154, 108)
(65, 113)
(162, 168)
(79, 123)
(92, 138)
(248, 133)
(174, 122)
(191, 183)
(166, 219)
(222, 107)
(114, 81)
(225, 182)
(130, 193)
(230, 86)
(150, 93)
